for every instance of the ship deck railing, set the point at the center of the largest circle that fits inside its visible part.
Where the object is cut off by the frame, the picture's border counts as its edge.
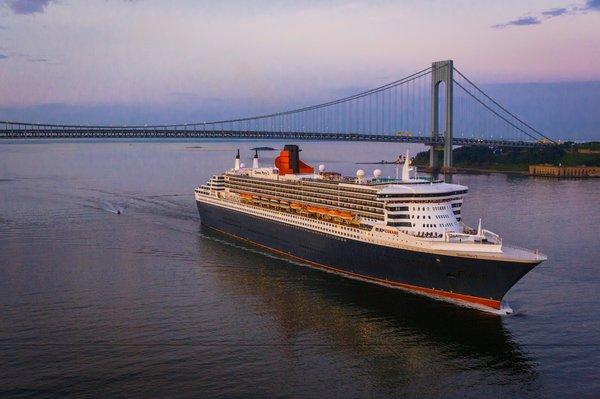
(487, 238)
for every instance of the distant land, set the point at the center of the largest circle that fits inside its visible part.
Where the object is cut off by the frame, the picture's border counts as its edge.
(481, 158)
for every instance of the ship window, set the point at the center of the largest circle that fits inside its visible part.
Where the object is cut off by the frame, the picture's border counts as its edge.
(398, 217)
(404, 224)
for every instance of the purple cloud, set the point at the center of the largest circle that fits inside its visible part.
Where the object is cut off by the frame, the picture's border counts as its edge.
(525, 21)
(590, 5)
(555, 12)
(28, 6)
(593, 5)
(2, 56)
(522, 21)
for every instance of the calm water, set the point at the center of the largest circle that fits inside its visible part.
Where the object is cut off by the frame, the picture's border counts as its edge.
(149, 304)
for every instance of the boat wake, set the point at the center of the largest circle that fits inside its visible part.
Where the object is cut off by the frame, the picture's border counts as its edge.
(505, 309)
(109, 207)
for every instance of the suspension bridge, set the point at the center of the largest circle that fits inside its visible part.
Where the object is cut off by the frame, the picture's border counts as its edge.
(437, 106)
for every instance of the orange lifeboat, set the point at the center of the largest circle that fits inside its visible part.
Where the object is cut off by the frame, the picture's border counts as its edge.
(346, 215)
(295, 205)
(322, 211)
(312, 209)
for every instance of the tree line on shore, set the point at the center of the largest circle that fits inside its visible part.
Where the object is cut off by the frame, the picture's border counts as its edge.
(519, 159)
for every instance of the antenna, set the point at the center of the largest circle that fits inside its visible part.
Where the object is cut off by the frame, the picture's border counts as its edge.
(237, 161)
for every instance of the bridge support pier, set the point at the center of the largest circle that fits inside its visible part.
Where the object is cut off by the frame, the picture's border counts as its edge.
(434, 159)
(442, 72)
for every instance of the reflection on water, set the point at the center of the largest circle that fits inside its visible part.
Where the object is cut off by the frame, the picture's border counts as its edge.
(148, 304)
(403, 340)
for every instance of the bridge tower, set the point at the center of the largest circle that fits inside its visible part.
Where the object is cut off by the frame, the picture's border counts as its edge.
(442, 72)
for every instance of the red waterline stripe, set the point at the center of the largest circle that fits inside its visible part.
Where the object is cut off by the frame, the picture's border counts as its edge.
(413, 288)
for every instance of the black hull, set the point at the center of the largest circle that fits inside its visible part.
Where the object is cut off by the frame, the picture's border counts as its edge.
(476, 281)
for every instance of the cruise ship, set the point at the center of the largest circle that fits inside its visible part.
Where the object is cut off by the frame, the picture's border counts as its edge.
(404, 232)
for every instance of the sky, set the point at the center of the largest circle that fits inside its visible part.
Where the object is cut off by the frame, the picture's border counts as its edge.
(126, 61)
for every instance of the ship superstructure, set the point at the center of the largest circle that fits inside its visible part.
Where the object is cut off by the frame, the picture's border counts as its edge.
(404, 232)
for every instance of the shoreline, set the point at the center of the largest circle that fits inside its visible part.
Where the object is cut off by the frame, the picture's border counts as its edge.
(482, 171)
(473, 171)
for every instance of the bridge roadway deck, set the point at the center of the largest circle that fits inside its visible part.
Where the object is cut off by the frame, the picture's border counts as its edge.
(31, 133)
